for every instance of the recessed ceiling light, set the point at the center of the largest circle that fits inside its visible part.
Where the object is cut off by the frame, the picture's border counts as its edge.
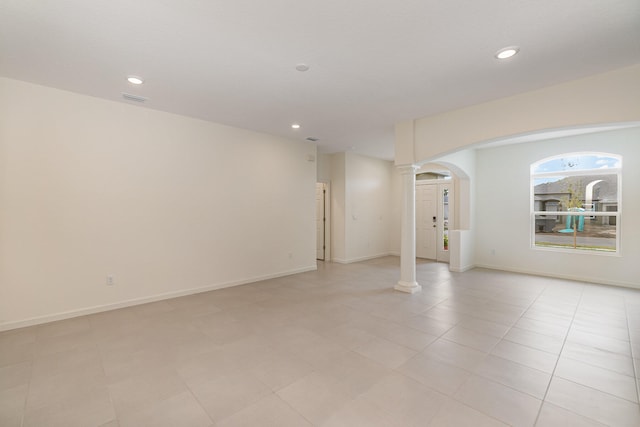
(507, 52)
(302, 67)
(135, 80)
(295, 126)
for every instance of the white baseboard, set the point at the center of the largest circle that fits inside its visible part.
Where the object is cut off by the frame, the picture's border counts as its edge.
(364, 258)
(144, 300)
(597, 281)
(462, 269)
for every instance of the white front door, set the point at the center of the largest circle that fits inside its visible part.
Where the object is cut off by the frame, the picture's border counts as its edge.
(426, 220)
(320, 220)
(434, 211)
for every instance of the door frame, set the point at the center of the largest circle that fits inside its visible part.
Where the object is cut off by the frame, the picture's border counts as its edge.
(441, 254)
(327, 222)
(426, 229)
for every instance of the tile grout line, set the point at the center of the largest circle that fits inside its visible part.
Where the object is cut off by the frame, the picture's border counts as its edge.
(488, 354)
(553, 373)
(582, 306)
(26, 397)
(633, 362)
(31, 369)
(292, 408)
(104, 372)
(503, 338)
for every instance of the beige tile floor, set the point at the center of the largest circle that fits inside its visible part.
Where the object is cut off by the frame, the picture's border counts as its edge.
(339, 347)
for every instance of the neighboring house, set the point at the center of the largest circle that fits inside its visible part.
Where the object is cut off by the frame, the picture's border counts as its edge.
(555, 196)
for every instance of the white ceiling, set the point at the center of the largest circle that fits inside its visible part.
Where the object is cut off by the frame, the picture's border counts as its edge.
(372, 62)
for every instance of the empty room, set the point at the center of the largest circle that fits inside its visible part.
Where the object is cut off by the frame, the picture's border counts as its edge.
(298, 213)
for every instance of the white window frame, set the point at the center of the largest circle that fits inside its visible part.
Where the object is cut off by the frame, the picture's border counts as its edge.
(571, 173)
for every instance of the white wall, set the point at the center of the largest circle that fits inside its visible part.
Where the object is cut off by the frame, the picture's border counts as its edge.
(368, 212)
(360, 207)
(338, 237)
(611, 97)
(608, 98)
(396, 212)
(324, 168)
(502, 209)
(166, 204)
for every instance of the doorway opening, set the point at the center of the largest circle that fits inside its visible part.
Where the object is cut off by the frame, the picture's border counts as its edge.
(321, 221)
(434, 211)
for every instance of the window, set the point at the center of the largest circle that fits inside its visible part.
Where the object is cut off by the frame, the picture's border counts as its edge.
(445, 219)
(575, 202)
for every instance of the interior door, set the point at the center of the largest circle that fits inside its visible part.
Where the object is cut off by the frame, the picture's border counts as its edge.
(320, 220)
(426, 220)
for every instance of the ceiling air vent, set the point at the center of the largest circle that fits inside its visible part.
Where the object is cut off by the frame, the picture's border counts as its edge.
(312, 139)
(135, 98)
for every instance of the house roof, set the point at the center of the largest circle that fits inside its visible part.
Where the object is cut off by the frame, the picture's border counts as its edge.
(605, 191)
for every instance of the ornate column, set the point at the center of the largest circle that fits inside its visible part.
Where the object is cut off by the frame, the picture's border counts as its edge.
(407, 281)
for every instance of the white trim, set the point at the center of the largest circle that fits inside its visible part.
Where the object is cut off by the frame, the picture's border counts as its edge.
(580, 172)
(462, 269)
(144, 300)
(579, 250)
(364, 258)
(570, 173)
(408, 287)
(577, 213)
(562, 276)
(327, 225)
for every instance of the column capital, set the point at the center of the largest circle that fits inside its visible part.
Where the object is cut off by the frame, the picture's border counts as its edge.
(408, 169)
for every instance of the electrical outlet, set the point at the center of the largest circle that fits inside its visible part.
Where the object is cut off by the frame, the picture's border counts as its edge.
(109, 280)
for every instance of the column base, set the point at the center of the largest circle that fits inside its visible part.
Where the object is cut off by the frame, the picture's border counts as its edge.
(408, 287)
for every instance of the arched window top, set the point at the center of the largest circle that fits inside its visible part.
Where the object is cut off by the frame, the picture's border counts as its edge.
(569, 162)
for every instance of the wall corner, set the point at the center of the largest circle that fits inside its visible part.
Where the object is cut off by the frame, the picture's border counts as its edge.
(404, 143)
